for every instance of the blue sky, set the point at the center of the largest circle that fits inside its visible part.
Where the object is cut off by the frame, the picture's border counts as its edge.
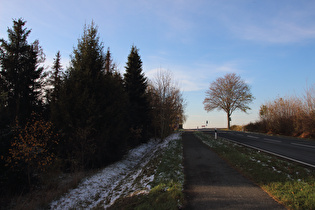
(270, 44)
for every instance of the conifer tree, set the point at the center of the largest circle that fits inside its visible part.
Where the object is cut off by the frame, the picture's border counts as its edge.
(135, 84)
(20, 72)
(91, 105)
(55, 78)
(110, 66)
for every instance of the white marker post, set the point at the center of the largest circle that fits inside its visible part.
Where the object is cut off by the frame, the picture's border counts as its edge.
(215, 134)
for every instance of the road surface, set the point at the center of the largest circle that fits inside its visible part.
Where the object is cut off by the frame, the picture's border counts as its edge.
(210, 183)
(295, 149)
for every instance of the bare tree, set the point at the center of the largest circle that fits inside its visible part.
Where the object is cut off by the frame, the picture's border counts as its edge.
(228, 93)
(167, 103)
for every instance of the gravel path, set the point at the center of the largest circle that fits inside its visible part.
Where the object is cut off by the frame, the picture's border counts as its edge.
(212, 184)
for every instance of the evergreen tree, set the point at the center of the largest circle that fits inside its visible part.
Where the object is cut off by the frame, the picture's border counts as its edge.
(55, 79)
(110, 66)
(20, 88)
(20, 72)
(135, 84)
(91, 105)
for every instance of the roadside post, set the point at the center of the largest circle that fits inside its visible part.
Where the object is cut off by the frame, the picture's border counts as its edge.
(215, 134)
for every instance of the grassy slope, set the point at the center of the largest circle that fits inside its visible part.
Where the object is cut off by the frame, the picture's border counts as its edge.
(167, 186)
(291, 184)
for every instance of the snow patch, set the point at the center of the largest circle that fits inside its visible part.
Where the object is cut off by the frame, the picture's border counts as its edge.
(114, 181)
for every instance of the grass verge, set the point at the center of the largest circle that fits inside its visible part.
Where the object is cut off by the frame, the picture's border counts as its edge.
(289, 183)
(167, 186)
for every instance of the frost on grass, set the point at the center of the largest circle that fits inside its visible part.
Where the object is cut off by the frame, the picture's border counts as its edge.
(119, 179)
(172, 159)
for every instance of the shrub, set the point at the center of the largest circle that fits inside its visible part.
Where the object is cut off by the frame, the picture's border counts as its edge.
(32, 148)
(294, 116)
(236, 128)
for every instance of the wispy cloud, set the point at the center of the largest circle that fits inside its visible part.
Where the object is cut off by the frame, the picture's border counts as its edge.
(276, 32)
(197, 76)
(268, 21)
(187, 81)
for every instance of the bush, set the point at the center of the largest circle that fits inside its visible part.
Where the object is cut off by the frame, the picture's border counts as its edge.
(31, 150)
(293, 116)
(237, 128)
(255, 127)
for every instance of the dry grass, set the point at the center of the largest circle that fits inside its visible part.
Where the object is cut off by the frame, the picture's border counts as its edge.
(237, 128)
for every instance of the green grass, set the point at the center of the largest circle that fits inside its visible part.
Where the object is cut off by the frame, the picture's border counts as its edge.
(290, 183)
(167, 186)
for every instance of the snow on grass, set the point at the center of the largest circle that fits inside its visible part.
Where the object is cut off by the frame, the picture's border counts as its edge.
(116, 180)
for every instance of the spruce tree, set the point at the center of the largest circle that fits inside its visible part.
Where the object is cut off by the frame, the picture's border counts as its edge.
(56, 78)
(110, 66)
(91, 105)
(52, 87)
(135, 84)
(20, 72)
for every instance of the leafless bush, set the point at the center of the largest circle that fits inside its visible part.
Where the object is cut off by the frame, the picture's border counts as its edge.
(290, 115)
(167, 104)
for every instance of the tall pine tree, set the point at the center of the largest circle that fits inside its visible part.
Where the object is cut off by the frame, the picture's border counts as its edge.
(91, 105)
(20, 72)
(55, 79)
(20, 85)
(135, 84)
(110, 66)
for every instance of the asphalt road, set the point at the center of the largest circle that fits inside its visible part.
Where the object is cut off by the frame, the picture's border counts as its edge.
(295, 149)
(210, 183)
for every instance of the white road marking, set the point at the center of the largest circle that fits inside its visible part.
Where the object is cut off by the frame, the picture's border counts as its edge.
(303, 145)
(254, 137)
(272, 140)
(282, 156)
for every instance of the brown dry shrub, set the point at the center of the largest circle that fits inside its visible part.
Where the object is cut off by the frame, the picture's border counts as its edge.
(291, 115)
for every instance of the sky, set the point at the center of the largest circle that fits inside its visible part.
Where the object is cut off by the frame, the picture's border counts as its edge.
(269, 44)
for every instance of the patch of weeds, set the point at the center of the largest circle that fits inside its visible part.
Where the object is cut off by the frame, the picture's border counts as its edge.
(290, 183)
(295, 194)
(163, 196)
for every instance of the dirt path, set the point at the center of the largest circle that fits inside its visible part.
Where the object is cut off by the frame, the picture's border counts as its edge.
(212, 184)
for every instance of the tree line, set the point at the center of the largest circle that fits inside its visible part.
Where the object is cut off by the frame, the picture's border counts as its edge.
(85, 116)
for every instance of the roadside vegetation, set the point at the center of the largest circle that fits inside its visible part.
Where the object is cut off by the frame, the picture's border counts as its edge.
(156, 182)
(77, 118)
(291, 116)
(291, 184)
(167, 186)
